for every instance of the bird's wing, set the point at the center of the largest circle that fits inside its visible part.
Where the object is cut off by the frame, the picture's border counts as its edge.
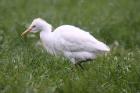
(74, 39)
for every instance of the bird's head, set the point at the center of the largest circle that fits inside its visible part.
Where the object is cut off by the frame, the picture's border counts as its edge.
(37, 25)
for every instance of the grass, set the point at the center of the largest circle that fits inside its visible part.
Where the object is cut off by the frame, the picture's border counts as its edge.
(26, 68)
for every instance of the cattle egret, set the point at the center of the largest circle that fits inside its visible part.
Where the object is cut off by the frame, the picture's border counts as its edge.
(68, 41)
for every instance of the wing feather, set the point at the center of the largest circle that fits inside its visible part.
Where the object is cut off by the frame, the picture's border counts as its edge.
(74, 39)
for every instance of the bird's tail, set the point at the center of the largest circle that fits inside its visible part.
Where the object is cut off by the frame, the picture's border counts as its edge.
(103, 47)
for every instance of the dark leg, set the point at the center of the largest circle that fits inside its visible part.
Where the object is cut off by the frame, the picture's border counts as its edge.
(76, 65)
(85, 60)
(81, 66)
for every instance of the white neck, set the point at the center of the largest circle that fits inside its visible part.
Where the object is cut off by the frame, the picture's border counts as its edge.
(47, 28)
(45, 31)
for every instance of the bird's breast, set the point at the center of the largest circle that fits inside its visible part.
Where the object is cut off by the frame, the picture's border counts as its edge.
(51, 44)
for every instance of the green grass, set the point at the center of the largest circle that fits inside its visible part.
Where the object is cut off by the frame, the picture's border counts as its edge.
(25, 68)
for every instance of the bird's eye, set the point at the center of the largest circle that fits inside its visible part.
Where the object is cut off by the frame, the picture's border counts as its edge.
(33, 26)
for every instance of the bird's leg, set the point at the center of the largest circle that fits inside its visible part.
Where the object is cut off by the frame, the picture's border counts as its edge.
(78, 64)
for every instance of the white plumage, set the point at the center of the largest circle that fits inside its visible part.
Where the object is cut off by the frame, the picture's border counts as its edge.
(69, 41)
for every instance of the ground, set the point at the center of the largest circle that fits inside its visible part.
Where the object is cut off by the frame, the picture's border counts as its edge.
(27, 68)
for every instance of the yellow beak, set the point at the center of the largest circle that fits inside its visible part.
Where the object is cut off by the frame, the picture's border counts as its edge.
(26, 31)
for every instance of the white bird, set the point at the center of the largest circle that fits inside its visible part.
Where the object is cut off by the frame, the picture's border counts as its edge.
(68, 41)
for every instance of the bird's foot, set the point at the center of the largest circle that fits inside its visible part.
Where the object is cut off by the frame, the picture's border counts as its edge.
(79, 65)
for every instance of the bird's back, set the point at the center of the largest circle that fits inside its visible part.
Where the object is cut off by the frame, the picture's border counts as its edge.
(76, 38)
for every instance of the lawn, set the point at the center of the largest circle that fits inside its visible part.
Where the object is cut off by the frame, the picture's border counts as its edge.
(26, 67)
